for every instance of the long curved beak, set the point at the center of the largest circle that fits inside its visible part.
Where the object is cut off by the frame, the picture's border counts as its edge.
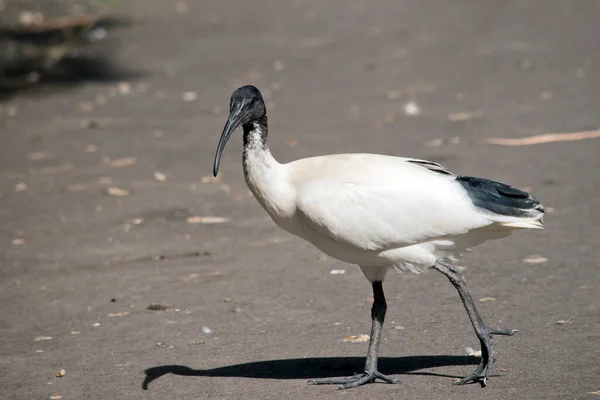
(235, 119)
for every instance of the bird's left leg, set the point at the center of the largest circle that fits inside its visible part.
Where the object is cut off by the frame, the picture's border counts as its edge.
(371, 373)
(484, 333)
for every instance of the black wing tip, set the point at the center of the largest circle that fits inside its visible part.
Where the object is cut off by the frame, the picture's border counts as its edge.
(500, 198)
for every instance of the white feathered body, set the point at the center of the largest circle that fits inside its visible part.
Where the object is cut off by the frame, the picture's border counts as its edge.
(373, 210)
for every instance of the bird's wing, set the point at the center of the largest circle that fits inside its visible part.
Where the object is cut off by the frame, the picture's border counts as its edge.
(383, 215)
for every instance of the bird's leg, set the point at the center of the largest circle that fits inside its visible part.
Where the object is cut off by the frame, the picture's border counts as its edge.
(484, 333)
(371, 372)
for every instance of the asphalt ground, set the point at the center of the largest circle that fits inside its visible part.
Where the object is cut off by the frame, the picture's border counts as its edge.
(104, 182)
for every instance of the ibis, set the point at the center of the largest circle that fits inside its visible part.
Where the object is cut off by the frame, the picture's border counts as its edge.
(380, 212)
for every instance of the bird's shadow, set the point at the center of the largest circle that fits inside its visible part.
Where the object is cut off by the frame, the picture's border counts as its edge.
(312, 368)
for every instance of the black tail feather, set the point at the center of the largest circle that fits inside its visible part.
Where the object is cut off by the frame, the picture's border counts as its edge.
(499, 198)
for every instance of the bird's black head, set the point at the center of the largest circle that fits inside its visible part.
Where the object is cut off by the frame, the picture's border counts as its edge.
(247, 105)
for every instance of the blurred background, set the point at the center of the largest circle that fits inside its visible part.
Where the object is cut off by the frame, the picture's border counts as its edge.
(127, 271)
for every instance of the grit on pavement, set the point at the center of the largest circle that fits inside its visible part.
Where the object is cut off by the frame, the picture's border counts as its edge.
(107, 204)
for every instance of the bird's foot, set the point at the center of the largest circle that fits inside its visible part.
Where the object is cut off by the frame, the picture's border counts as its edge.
(487, 356)
(354, 380)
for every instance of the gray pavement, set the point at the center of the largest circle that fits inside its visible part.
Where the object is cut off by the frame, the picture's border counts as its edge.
(254, 312)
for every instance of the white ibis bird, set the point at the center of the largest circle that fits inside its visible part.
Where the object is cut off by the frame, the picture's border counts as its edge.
(380, 212)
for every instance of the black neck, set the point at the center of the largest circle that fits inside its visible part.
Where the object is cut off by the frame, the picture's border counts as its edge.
(250, 133)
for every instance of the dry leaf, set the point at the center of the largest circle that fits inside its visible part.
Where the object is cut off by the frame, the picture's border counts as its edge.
(56, 397)
(473, 353)
(123, 162)
(136, 221)
(20, 187)
(58, 169)
(212, 179)
(189, 96)
(207, 220)
(597, 393)
(18, 242)
(564, 321)
(399, 327)
(434, 142)
(39, 155)
(356, 339)
(535, 259)
(115, 191)
(77, 188)
(547, 138)
(337, 323)
(119, 314)
(159, 176)
(464, 116)
(484, 299)
(321, 257)
(61, 373)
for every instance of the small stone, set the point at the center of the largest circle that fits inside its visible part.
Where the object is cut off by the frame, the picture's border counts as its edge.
(43, 338)
(189, 96)
(411, 108)
(18, 242)
(124, 88)
(20, 187)
(337, 272)
(159, 176)
(157, 307)
(206, 330)
(61, 373)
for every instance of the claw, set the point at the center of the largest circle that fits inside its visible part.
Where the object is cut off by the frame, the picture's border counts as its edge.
(354, 380)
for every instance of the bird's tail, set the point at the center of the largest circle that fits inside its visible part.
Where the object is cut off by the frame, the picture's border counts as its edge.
(504, 204)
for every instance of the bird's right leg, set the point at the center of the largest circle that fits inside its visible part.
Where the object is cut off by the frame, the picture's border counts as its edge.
(484, 333)
(371, 372)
